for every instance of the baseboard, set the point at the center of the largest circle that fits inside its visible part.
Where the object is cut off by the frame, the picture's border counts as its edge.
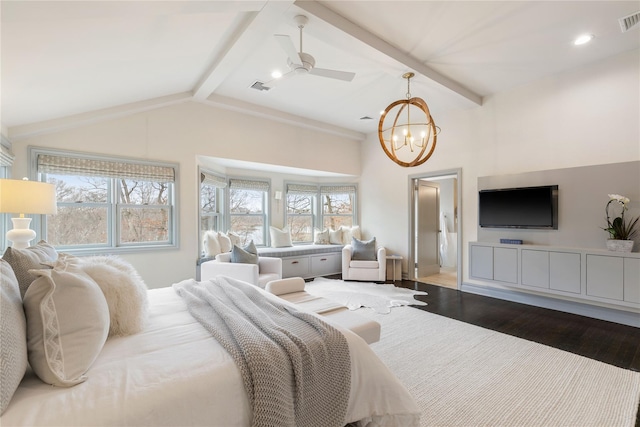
(588, 310)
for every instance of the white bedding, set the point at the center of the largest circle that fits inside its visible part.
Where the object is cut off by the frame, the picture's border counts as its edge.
(174, 373)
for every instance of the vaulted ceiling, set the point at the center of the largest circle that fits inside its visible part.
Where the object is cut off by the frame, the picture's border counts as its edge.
(67, 62)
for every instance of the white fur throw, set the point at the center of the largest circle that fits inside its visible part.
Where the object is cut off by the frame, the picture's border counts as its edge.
(124, 289)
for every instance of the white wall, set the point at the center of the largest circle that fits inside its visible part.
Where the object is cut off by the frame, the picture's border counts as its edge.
(578, 118)
(181, 133)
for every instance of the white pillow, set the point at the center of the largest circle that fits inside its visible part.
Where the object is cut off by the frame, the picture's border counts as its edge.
(13, 335)
(280, 238)
(321, 237)
(210, 243)
(225, 242)
(335, 237)
(235, 239)
(67, 323)
(349, 232)
(124, 290)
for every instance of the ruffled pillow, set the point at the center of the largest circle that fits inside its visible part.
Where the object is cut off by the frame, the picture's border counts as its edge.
(335, 237)
(67, 323)
(349, 233)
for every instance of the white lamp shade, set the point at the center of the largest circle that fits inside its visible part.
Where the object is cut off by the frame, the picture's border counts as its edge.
(27, 197)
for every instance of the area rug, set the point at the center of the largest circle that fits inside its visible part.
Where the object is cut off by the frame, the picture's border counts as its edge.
(378, 297)
(465, 375)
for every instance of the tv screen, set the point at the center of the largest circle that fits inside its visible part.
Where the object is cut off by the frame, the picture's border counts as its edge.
(530, 207)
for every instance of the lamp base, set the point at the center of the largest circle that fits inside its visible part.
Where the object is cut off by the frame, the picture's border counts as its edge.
(21, 234)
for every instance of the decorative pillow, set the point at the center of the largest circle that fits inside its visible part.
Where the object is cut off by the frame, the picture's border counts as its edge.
(280, 238)
(225, 243)
(67, 323)
(363, 251)
(350, 232)
(210, 243)
(246, 255)
(13, 335)
(31, 258)
(124, 290)
(321, 237)
(235, 239)
(335, 236)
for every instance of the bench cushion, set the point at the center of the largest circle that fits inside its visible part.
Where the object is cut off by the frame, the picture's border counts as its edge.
(292, 290)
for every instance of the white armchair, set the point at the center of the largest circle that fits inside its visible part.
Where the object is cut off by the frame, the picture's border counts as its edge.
(375, 271)
(260, 274)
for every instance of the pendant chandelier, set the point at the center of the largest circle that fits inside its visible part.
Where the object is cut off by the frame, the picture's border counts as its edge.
(409, 135)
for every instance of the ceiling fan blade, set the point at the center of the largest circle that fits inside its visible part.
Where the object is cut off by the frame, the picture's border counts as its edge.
(287, 45)
(333, 74)
(274, 82)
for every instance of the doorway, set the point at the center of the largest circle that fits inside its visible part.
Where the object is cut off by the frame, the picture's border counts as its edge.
(435, 228)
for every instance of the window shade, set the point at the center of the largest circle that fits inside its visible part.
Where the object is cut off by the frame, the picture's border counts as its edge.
(335, 189)
(104, 168)
(6, 156)
(213, 180)
(302, 189)
(246, 184)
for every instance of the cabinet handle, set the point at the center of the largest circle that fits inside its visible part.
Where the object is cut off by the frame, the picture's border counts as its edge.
(323, 259)
(294, 262)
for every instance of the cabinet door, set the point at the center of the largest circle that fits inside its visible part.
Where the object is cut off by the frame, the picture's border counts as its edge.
(535, 268)
(482, 262)
(295, 266)
(605, 277)
(505, 265)
(632, 280)
(322, 265)
(564, 271)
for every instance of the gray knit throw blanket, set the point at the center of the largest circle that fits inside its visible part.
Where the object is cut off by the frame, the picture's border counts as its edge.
(295, 367)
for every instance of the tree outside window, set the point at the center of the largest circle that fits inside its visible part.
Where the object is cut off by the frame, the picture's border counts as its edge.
(300, 208)
(247, 210)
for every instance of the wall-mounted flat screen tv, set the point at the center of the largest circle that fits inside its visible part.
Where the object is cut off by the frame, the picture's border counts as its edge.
(529, 207)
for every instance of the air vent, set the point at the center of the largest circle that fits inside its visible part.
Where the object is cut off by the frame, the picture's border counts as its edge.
(630, 22)
(258, 85)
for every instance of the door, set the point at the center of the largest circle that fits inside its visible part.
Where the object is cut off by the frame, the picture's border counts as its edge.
(427, 228)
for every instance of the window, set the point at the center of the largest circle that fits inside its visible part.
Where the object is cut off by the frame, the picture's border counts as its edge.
(211, 202)
(248, 210)
(300, 211)
(338, 206)
(322, 206)
(107, 203)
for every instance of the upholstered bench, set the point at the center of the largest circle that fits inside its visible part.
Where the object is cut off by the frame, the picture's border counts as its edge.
(292, 290)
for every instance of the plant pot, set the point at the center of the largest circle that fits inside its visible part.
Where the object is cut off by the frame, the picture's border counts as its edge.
(620, 245)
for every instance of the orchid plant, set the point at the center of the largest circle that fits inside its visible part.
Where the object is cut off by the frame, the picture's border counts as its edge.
(618, 229)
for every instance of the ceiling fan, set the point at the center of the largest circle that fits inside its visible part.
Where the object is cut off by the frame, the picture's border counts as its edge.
(302, 62)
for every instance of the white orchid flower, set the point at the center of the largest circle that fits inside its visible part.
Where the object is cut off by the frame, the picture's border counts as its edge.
(620, 199)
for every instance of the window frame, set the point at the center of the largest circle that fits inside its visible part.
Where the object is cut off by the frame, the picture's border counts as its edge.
(265, 215)
(114, 206)
(220, 195)
(318, 210)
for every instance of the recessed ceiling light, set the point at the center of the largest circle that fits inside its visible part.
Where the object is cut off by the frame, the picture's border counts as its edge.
(276, 74)
(583, 39)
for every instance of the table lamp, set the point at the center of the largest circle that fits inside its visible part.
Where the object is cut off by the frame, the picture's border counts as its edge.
(25, 197)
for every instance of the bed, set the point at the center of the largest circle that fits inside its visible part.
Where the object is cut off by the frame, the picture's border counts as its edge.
(174, 373)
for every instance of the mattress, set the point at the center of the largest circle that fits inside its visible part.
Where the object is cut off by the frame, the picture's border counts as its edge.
(175, 374)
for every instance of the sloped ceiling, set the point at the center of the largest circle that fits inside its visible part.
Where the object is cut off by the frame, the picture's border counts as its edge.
(67, 62)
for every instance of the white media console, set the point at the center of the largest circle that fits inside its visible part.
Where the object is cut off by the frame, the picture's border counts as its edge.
(588, 276)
